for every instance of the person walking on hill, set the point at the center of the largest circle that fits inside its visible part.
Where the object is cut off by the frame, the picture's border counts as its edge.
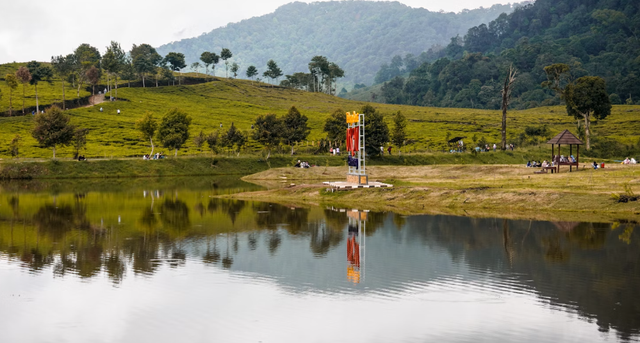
(389, 150)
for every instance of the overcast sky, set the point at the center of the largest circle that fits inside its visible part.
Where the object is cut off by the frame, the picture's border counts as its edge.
(39, 29)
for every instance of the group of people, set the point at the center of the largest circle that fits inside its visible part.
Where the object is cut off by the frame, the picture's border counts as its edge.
(629, 161)
(156, 156)
(537, 164)
(333, 151)
(388, 150)
(564, 159)
(82, 158)
(303, 164)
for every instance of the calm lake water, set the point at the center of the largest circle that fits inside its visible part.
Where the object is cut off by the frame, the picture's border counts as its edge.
(164, 261)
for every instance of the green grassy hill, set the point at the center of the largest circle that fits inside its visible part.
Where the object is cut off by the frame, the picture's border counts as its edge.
(240, 101)
(48, 93)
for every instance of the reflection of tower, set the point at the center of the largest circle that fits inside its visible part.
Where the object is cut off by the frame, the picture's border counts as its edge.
(356, 245)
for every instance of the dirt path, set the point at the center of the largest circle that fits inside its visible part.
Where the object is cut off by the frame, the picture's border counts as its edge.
(95, 99)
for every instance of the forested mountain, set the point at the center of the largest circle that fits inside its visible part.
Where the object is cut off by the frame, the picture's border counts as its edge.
(357, 35)
(594, 37)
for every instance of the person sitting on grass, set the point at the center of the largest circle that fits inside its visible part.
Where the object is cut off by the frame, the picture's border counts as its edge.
(297, 164)
(595, 165)
(633, 161)
(545, 164)
(528, 164)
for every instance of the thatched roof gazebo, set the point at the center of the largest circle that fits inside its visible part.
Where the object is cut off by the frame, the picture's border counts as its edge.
(567, 138)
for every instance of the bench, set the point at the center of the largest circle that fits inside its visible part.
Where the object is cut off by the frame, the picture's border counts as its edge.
(544, 170)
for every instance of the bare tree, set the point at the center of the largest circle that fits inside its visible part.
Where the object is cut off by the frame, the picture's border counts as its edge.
(506, 96)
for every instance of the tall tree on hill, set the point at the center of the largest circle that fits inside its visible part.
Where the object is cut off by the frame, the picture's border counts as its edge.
(12, 83)
(24, 76)
(506, 97)
(114, 62)
(294, 127)
(226, 54)
(335, 72)
(252, 72)
(176, 62)
(52, 128)
(63, 67)
(318, 68)
(268, 131)
(207, 59)
(39, 72)
(376, 130)
(93, 77)
(214, 60)
(173, 130)
(273, 72)
(145, 59)
(234, 69)
(587, 98)
(85, 56)
(128, 72)
(399, 133)
(195, 66)
(147, 126)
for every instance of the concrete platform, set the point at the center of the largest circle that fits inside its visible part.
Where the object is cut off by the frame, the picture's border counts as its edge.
(351, 185)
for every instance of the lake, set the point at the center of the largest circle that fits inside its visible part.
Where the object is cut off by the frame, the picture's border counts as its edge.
(165, 260)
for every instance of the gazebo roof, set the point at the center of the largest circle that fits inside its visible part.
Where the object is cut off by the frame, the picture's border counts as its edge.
(565, 137)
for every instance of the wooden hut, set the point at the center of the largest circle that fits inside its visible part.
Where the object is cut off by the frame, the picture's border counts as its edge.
(565, 138)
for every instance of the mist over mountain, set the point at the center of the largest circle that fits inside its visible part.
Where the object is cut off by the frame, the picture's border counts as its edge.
(357, 35)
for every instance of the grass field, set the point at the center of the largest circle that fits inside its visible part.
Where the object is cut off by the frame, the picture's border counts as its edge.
(504, 191)
(241, 101)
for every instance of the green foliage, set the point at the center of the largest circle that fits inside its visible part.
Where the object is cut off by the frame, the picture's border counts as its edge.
(226, 54)
(376, 130)
(175, 61)
(399, 133)
(268, 130)
(199, 140)
(14, 147)
(233, 137)
(144, 59)
(294, 126)
(251, 72)
(80, 140)
(273, 71)
(39, 72)
(336, 126)
(588, 97)
(52, 128)
(234, 69)
(551, 43)
(147, 126)
(173, 130)
(212, 141)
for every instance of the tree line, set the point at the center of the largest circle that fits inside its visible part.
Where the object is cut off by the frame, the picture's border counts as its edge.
(597, 38)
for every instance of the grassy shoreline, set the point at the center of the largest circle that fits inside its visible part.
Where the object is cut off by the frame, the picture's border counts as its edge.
(506, 191)
(225, 165)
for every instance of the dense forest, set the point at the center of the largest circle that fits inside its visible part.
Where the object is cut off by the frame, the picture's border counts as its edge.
(594, 37)
(358, 35)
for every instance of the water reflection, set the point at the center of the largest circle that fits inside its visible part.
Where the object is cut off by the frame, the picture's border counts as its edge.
(590, 269)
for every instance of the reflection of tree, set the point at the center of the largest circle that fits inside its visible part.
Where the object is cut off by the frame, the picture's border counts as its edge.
(323, 238)
(115, 267)
(54, 221)
(399, 221)
(232, 208)
(591, 236)
(199, 208)
(227, 261)
(274, 242)
(175, 214)
(335, 219)
(269, 216)
(212, 206)
(252, 239)
(212, 256)
(374, 221)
